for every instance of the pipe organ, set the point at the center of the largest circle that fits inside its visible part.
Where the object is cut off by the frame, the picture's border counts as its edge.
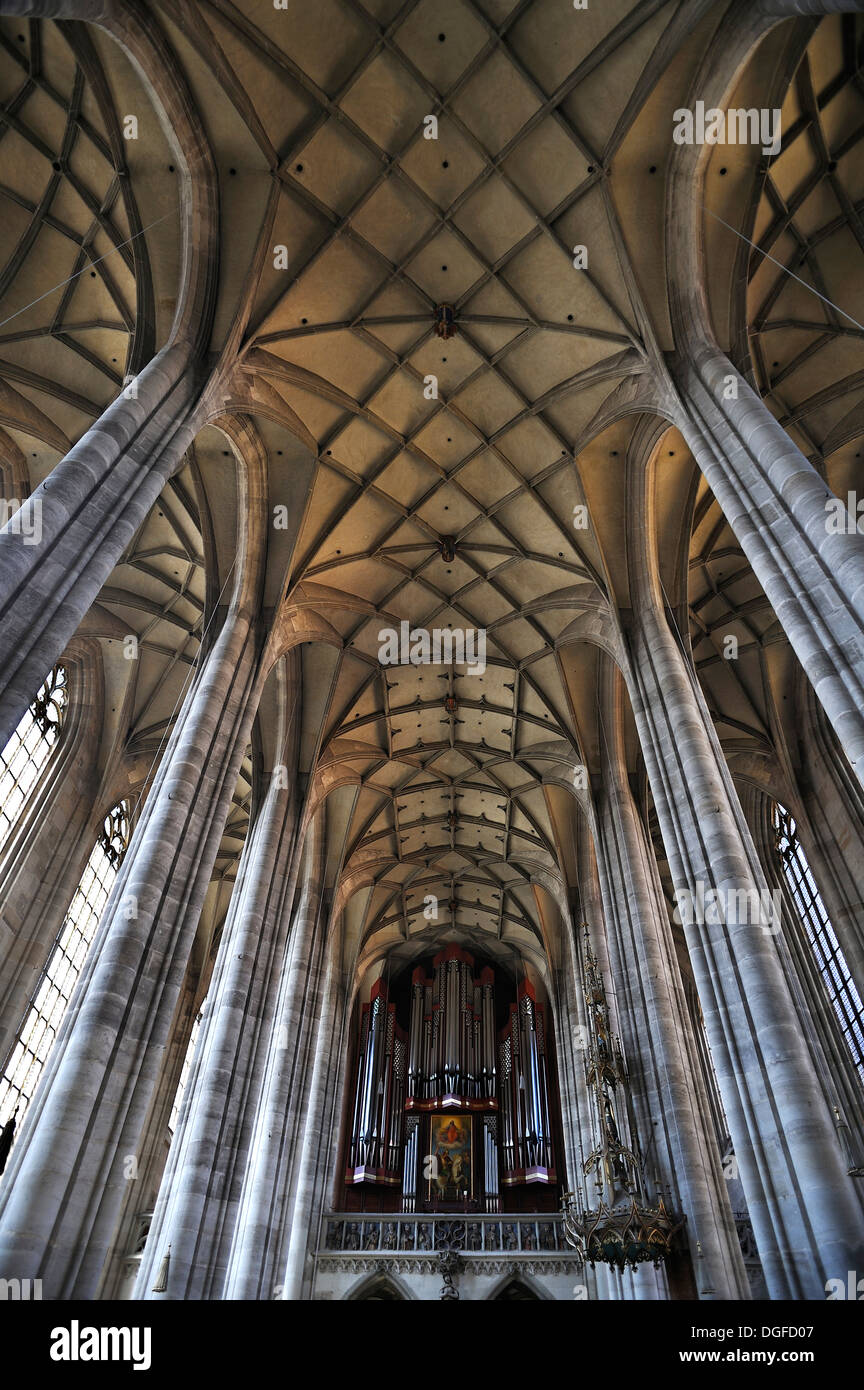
(376, 1145)
(526, 1133)
(454, 1108)
(451, 1047)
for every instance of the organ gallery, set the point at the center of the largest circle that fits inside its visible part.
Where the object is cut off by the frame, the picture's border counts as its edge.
(471, 1097)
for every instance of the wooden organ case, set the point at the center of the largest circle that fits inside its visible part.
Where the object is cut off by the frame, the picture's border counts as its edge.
(456, 1109)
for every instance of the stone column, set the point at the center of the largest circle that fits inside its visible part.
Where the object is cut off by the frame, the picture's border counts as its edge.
(64, 1186)
(570, 1033)
(195, 1206)
(676, 1125)
(97, 497)
(62, 1192)
(124, 1259)
(775, 502)
(835, 1068)
(578, 1117)
(832, 831)
(327, 1078)
(612, 1284)
(805, 1216)
(286, 1112)
(772, 497)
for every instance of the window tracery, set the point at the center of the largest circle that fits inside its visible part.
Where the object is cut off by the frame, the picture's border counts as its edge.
(64, 965)
(26, 754)
(837, 977)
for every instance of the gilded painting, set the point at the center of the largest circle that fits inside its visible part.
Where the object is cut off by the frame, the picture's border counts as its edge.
(450, 1146)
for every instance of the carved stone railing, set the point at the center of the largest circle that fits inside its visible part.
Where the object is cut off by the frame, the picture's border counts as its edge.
(536, 1237)
(353, 1233)
(445, 1245)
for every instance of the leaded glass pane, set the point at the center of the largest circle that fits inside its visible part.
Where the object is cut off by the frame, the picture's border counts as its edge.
(65, 962)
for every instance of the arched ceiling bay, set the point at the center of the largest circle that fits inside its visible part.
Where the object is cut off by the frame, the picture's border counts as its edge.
(77, 306)
(446, 495)
(454, 467)
(808, 355)
(790, 230)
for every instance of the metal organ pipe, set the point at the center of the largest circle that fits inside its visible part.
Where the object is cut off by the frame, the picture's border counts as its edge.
(409, 1171)
(487, 1013)
(367, 1087)
(451, 1061)
(375, 1152)
(416, 1058)
(490, 1154)
(524, 1096)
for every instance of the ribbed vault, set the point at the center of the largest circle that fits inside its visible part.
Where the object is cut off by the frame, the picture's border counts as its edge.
(76, 291)
(808, 355)
(445, 400)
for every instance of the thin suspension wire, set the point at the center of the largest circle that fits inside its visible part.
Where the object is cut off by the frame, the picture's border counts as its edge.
(99, 259)
(780, 266)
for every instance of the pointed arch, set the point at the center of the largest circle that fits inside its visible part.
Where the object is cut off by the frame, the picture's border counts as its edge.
(381, 1287)
(517, 1286)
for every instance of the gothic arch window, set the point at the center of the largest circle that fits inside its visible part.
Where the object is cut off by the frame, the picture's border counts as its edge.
(26, 754)
(65, 962)
(833, 968)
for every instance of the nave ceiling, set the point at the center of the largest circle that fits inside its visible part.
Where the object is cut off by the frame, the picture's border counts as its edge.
(455, 510)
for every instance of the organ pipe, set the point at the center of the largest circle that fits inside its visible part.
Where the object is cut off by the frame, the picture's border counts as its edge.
(451, 1041)
(376, 1142)
(526, 1148)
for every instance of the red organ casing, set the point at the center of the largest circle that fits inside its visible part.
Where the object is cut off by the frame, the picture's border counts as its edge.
(452, 1059)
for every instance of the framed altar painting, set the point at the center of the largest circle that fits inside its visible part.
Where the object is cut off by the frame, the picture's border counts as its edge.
(449, 1170)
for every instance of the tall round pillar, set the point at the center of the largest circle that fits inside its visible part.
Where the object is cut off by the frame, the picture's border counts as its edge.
(773, 498)
(65, 1182)
(806, 1220)
(285, 1112)
(658, 1028)
(94, 501)
(197, 1202)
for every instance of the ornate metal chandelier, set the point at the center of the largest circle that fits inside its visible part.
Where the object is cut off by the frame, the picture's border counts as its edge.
(623, 1228)
(627, 1234)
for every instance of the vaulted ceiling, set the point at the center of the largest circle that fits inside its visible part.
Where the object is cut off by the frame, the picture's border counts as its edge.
(440, 389)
